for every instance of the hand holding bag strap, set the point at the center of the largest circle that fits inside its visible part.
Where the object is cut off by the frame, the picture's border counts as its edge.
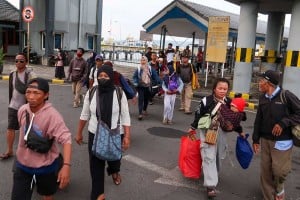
(28, 124)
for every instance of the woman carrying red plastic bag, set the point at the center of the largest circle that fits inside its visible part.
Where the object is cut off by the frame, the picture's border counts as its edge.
(189, 157)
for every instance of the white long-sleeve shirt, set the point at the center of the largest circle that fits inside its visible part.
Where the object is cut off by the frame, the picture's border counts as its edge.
(89, 112)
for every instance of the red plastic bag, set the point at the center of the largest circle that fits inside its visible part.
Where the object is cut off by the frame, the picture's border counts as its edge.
(189, 157)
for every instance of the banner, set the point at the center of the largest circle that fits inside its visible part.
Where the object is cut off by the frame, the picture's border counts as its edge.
(217, 39)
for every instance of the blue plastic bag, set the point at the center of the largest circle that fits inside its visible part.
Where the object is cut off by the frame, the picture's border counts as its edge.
(243, 151)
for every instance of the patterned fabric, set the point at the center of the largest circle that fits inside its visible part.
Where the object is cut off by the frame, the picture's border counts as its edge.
(229, 119)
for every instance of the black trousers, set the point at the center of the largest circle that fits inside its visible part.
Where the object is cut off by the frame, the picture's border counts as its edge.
(97, 170)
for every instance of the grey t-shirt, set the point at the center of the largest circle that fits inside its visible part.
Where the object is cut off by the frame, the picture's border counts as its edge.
(18, 99)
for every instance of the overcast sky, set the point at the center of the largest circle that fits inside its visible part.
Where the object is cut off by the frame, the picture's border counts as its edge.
(125, 17)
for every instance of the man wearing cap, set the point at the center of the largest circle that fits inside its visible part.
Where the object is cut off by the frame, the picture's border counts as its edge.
(272, 134)
(186, 72)
(170, 52)
(46, 170)
(93, 74)
(17, 85)
(77, 74)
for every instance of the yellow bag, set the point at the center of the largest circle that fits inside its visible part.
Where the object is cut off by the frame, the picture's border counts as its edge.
(195, 81)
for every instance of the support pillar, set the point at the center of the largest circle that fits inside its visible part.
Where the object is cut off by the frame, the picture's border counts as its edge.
(245, 48)
(273, 40)
(99, 25)
(292, 64)
(49, 26)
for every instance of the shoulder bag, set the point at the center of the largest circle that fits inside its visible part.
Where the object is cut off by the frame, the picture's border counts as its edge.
(107, 142)
(33, 140)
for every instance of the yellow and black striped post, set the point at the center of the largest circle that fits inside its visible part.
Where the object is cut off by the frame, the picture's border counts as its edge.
(244, 55)
(292, 59)
(270, 56)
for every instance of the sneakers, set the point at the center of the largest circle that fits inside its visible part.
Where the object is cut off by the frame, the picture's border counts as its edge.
(181, 109)
(188, 112)
(140, 117)
(279, 196)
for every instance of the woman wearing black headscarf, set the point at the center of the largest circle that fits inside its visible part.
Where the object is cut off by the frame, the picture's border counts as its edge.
(109, 112)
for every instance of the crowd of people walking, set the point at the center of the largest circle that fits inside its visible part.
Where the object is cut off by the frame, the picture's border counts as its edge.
(105, 108)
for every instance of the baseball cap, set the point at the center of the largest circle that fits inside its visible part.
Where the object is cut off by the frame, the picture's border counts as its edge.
(272, 76)
(239, 103)
(42, 84)
(99, 57)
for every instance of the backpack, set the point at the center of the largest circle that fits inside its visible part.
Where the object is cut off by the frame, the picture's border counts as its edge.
(296, 128)
(173, 82)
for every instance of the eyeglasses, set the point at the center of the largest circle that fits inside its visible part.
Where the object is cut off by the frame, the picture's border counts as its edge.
(20, 61)
(98, 60)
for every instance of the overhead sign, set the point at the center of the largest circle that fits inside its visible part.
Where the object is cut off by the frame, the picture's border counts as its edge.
(217, 38)
(27, 14)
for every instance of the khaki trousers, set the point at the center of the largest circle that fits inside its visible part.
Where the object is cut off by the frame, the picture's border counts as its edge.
(186, 97)
(275, 166)
(76, 89)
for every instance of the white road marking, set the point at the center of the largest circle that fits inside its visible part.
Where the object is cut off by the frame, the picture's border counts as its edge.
(168, 177)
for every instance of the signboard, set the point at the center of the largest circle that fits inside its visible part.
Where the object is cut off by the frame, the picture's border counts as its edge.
(27, 14)
(146, 36)
(217, 38)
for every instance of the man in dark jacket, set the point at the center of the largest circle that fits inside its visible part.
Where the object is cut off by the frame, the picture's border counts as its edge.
(272, 133)
(77, 74)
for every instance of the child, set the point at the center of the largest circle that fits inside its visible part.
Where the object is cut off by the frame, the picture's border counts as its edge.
(234, 116)
(172, 84)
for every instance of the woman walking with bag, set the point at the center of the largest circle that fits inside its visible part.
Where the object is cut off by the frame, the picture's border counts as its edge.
(143, 78)
(213, 147)
(111, 102)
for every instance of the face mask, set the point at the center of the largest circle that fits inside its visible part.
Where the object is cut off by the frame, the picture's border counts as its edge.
(103, 82)
(79, 55)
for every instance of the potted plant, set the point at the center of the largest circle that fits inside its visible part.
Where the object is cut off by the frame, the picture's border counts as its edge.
(1, 59)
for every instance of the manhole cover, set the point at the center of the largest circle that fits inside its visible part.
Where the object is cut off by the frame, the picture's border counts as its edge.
(166, 132)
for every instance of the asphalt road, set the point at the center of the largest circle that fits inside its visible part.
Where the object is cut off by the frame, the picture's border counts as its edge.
(149, 168)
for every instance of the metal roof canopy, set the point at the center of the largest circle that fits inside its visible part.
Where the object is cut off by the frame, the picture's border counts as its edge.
(268, 6)
(182, 18)
(8, 12)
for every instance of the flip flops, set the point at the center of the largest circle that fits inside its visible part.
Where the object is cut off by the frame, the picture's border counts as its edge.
(116, 178)
(5, 156)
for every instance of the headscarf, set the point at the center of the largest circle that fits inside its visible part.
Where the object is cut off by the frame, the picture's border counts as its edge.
(106, 95)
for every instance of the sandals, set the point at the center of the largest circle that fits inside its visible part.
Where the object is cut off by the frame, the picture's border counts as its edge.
(211, 192)
(116, 178)
(5, 156)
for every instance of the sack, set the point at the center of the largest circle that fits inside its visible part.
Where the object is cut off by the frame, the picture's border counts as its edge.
(243, 151)
(204, 121)
(211, 136)
(107, 143)
(33, 140)
(189, 157)
(296, 128)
